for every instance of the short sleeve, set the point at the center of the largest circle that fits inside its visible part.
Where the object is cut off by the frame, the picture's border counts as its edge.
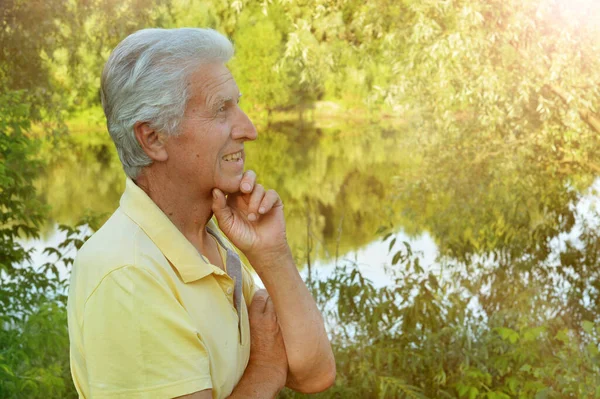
(249, 287)
(138, 340)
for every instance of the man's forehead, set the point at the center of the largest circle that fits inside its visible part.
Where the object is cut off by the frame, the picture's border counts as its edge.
(212, 81)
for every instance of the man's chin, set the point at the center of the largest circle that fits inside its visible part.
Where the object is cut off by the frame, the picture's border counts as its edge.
(231, 187)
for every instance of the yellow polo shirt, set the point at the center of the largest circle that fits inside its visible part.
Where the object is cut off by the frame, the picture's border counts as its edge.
(149, 317)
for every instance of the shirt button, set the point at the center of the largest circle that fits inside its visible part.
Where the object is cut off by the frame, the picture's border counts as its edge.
(229, 290)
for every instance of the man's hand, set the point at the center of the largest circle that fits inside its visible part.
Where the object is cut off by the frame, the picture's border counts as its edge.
(260, 235)
(253, 220)
(267, 368)
(267, 350)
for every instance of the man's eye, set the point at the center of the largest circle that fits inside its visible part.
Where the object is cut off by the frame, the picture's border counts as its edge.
(222, 109)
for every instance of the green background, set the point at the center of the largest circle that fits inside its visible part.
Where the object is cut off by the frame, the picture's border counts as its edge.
(471, 123)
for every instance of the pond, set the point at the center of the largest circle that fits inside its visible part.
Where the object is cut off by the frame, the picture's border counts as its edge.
(347, 183)
(337, 179)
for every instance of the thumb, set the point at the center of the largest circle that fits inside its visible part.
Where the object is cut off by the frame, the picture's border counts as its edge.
(221, 210)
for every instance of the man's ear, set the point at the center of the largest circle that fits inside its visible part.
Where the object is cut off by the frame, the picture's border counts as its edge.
(151, 141)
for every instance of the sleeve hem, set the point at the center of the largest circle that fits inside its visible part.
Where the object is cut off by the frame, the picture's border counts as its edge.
(172, 390)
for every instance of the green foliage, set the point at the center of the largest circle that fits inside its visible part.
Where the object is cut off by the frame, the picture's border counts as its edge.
(34, 341)
(258, 51)
(499, 104)
(22, 213)
(32, 325)
(34, 361)
(425, 336)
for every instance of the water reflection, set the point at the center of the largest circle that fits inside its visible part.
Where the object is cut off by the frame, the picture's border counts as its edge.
(506, 230)
(335, 179)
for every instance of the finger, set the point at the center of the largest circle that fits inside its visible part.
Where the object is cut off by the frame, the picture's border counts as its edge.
(271, 314)
(255, 199)
(270, 200)
(269, 306)
(258, 302)
(248, 181)
(221, 210)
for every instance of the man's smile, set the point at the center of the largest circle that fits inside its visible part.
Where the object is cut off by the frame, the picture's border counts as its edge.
(236, 156)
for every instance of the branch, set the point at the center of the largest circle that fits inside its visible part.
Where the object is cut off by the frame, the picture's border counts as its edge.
(585, 165)
(586, 115)
(591, 119)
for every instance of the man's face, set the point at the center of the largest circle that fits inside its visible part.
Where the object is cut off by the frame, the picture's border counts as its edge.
(209, 151)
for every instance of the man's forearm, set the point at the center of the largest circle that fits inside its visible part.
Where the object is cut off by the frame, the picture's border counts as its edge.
(255, 384)
(310, 359)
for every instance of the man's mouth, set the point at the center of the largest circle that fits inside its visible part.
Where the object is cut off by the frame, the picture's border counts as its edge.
(236, 156)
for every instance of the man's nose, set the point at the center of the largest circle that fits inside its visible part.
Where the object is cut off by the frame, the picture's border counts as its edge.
(244, 128)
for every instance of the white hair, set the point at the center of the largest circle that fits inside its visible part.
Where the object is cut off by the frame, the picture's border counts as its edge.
(145, 80)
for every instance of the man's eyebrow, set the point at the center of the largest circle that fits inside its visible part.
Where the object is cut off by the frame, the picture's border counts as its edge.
(216, 102)
(220, 100)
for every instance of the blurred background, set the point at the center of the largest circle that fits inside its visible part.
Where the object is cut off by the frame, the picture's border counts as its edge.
(438, 162)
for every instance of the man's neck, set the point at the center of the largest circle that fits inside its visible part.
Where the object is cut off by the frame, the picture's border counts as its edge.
(190, 211)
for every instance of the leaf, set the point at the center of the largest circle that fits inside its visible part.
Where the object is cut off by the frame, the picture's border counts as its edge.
(563, 335)
(462, 389)
(592, 348)
(588, 327)
(433, 282)
(51, 250)
(532, 334)
(513, 384)
(543, 394)
(7, 370)
(508, 334)
(391, 245)
(380, 230)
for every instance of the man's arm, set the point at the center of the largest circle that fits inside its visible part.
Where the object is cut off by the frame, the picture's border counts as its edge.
(310, 359)
(254, 222)
(253, 385)
(267, 367)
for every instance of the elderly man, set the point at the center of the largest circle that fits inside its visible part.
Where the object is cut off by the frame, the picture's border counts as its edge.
(160, 305)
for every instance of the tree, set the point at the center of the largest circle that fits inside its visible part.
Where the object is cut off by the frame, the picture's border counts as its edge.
(259, 47)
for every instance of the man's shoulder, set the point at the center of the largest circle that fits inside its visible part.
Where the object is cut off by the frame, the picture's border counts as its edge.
(118, 249)
(119, 242)
(114, 239)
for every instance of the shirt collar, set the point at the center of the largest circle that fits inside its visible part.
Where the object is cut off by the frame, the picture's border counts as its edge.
(140, 208)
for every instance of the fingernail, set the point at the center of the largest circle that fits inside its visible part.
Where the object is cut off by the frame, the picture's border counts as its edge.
(215, 194)
(251, 217)
(261, 209)
(246, 186)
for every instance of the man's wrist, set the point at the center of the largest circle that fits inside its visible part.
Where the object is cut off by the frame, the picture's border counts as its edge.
(267, 257)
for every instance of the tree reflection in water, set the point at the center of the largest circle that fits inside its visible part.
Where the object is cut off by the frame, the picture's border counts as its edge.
(515, 279)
